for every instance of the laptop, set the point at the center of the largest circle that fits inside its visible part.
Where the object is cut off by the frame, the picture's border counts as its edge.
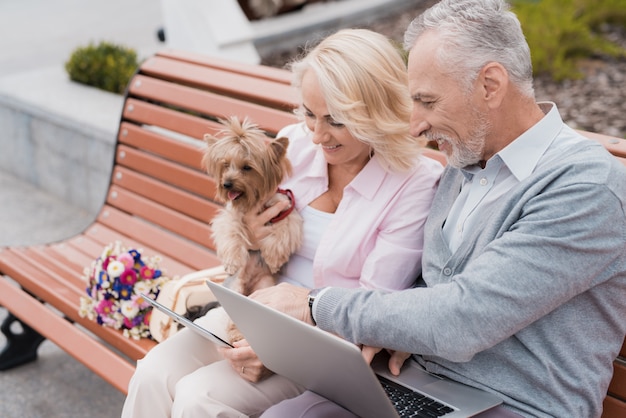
(335, 369)
(186, 322)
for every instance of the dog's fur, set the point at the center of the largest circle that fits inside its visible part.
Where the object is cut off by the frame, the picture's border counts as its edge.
(248, 167)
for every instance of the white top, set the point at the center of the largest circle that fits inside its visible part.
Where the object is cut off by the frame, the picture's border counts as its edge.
(299, 269)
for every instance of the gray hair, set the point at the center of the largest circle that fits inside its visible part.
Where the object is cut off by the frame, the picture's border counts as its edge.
(474, 33)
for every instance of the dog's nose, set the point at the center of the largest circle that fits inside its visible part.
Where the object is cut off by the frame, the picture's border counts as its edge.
(227, 185)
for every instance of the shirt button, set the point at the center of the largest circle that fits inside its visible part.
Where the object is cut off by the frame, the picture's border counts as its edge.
(447, 271)
(483, 181)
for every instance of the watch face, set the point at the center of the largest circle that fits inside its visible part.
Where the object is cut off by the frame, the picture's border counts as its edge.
(312, 295)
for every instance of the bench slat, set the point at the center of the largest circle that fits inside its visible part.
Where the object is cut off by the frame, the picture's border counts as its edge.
(168, 196)
(62, 266)
(164, 242)
(207, 103)
(613, 408)
(187, 154)
(263, 72)
(153, 116)
(616, 146)
(227, 83)
(112, 368)
(185, 226)
(87, 246)
(185, 178)
(69, 255)
(617, 388)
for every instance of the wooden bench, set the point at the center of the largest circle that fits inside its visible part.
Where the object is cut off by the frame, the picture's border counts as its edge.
(160, 200)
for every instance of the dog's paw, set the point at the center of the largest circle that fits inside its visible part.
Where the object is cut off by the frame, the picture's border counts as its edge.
(234, 334)
(230, 268)
(275, 254)
(233, 260)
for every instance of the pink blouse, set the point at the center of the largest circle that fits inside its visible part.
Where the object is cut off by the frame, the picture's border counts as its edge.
(375, 237)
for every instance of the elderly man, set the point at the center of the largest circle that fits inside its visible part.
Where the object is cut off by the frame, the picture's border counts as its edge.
(524, 264)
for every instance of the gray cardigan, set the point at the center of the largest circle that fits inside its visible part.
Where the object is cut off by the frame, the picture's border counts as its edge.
(532, 306)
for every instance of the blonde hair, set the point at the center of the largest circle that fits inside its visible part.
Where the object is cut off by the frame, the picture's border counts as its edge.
(363, 79)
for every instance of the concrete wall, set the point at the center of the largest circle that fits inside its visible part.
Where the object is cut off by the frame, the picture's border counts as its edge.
(58, 135)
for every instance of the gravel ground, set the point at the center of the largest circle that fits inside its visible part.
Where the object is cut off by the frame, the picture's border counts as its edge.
(596, 102)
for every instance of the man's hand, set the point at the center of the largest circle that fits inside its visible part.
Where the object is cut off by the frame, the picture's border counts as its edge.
(245, 362)
(287, 298)
(396, 358)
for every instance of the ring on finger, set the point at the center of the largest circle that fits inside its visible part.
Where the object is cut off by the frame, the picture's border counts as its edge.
(243, 369)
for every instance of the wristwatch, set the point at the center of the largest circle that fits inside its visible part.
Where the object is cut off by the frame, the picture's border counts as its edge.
(312, 295)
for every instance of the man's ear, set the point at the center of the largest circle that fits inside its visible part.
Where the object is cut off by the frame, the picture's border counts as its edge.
(495, 82)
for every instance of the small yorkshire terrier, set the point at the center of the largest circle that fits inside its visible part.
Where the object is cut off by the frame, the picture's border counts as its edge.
(248, 167)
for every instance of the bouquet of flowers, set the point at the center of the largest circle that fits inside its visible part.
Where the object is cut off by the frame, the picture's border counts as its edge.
(115, 283)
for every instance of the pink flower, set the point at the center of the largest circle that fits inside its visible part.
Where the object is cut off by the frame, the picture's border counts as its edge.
(140, 301)
(128, 323)
(105, 262)
(146, 272)
(105, 307)
(127, 260)
(129, 277)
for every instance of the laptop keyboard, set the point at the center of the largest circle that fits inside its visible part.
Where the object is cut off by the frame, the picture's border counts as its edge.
(409, 403)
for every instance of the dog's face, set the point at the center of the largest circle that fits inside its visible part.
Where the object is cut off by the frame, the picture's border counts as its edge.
(247, 166)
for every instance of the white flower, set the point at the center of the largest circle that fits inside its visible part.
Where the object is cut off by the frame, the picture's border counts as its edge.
(115, 268)
(142, 287)
(129, 309)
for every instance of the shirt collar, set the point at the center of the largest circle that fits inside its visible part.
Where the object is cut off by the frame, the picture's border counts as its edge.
(523, 154)
(366, 183)
(369, 179)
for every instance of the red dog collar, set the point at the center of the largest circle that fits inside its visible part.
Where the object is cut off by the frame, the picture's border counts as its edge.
(287, 211)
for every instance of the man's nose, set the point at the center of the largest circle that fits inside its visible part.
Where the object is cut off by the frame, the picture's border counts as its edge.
(419, 124)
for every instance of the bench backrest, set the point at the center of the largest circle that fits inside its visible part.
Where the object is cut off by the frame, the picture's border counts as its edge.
(159, 192)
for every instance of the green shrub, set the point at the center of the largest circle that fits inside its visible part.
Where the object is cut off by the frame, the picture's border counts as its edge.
(105, 66)
(561, 32)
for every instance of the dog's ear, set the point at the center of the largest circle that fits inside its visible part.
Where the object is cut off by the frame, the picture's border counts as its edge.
(210, 139)
(279, 146)
(207, 162)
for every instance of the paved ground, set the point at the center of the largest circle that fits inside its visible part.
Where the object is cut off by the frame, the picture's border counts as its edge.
(38, 34)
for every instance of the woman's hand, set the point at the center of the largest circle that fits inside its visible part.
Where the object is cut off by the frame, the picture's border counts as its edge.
(396, 358)
(258, 221)
(245, 362)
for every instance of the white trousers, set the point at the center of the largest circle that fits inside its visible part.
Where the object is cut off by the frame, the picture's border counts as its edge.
(185, 376)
